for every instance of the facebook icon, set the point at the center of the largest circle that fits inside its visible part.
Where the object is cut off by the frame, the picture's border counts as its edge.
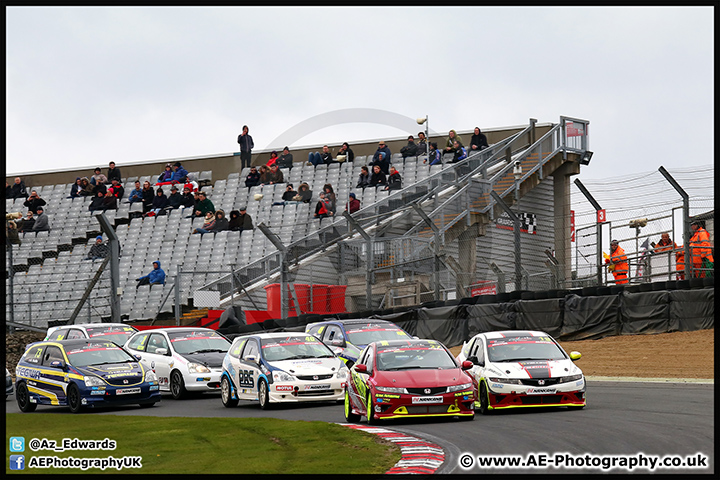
(17, 462)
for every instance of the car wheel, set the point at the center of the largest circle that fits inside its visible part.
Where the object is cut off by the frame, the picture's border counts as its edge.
(226, 393)
(23, 399)
(177, 385)
(73, 398)
(147, 405)
(484, 399)
(263, 395)
(349, 415)
(370, 414)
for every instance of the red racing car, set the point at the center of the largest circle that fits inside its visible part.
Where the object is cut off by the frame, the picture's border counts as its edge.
(408, 378)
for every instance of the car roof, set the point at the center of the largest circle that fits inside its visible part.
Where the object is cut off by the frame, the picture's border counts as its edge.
(272, 335)
(514, 333)
(71, 343)
(354, 321)
(177, 329)
(406, 342)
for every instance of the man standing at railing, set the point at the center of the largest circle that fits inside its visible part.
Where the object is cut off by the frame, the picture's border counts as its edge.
(701, 251)
(620, 263)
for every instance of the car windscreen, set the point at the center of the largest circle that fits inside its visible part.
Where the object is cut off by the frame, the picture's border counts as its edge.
(97, 353)
(198, 341)
(514, 349)
(365, 334)
(412, 357)
(293, 348)
(115, 334)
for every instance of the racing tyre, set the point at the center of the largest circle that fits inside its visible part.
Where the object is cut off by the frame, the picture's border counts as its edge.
(73, 398)
(23, 399)
(263, 395)
(370, 414)
(226, 393)
(349, 415)
(484, 399)
(177, 385)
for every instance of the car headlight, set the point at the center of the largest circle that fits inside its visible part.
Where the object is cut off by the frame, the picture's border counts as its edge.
(513, 381)
(456, 388)
(342, 374)
(390, 389)
(150, 376)
(93, 381)
(280, 376)
(570, 378)
(197, 368)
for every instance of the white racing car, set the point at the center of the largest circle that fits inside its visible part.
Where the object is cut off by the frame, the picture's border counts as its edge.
(184, 358)
(281, 367)
(515, 369)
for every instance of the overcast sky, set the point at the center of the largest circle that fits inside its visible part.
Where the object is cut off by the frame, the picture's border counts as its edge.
(89, 85)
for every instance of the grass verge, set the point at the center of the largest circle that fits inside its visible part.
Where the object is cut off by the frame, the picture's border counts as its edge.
(182, 445)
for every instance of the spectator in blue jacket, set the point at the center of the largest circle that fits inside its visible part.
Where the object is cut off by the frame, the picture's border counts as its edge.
(156, 277)
(180, 174)
(137, 194)
(460, 152)
(382, 157)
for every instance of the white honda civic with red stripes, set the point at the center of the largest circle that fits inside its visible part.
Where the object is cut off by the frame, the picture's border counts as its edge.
(522, 368)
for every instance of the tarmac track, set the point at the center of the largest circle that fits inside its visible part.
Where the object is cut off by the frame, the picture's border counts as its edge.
(630, 420)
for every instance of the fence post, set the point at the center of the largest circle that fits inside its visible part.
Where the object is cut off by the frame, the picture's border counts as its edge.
(686, 219)
(598, 227)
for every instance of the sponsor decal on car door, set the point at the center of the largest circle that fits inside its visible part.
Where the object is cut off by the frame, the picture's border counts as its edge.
(247, 371)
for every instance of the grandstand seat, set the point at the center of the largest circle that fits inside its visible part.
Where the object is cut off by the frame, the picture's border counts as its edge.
(205, 178)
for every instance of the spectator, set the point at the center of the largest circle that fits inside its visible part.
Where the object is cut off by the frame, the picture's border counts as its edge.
(155, 277)
(98, 178)
(434, 156)
(273, 159)
(275, 175)
(98, 250)
(664, 245)
(330, 197)
(113, 173)
(478, 141)
(459, 152)
(188, 199)
(76, 188)
(208, 225)
(204, 205)
(180, 175)
(619, 264)
(136, 195)
(18, 189)
(422, 144)
(364, 178)
(315, 158)
(88, 189)
(409, 150)
(148, 195)
(394, 182)
(117, 190)
(11, 233)
(264, 172)
(382, 157)
(159, 202)
(240, 220)
(41, 221)
(221, 223)
(304, 193)
(110, 202)
(246, 146)
(175, 199)
(27, 223)
(322, 208)
(450, 144)
(353, 205)
(701, 251)
(253, 178)
(8, 190)
(286, 159)
(345, 151)
(288, 195)
(34, 201)
(167, 175)
(98, 202)
(378, 177)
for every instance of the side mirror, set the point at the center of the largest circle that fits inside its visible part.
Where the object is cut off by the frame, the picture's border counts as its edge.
(137, 357)
(57, 364)
(338, 342)
(251, 358)
(361, 368)
(574, 356)
(161, 351)
(467, 365)
(476, 361)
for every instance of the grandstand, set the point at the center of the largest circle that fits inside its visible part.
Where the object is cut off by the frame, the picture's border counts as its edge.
(432, 240)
